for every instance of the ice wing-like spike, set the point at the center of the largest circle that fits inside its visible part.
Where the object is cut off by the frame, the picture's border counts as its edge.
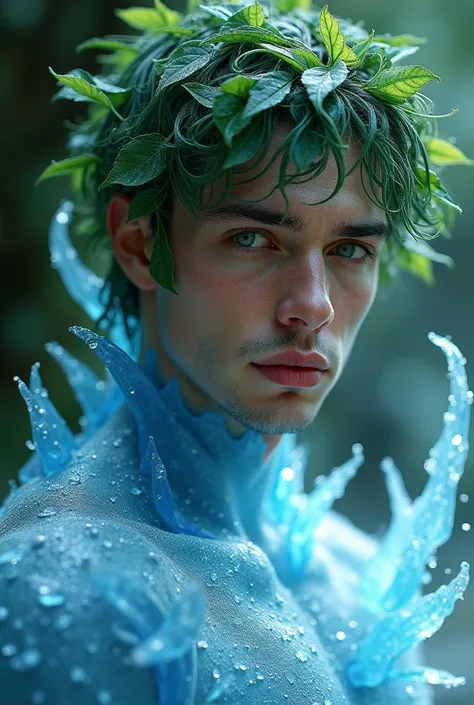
(53, 439)
(402, 630)
(319, 503)
(176, 681)
(380, 571)
(98, 399)
(163, 499)
(288, 484)
(428, 524)
(178, 632)
(82, 284)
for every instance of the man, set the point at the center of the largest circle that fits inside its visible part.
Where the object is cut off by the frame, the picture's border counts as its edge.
(168, 553)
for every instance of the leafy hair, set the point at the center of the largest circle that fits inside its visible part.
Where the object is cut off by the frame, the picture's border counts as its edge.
(196, 95)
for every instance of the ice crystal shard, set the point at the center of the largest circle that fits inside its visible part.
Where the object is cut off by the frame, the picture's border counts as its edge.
(83, 285)
(98, 399)
(419, 528)
(402, 630)
(162, 635)
(54, 441)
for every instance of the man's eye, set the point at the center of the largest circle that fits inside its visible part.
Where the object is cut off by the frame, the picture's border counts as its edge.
(247, 238)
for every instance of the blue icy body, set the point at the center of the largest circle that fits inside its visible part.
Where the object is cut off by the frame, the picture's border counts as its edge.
(115, 588)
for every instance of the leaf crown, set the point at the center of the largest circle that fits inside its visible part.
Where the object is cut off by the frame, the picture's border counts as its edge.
(194, 95)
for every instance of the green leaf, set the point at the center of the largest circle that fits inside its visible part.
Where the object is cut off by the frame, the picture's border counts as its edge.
(227, 114)
(202, 93)
(184, 61)
(319, 82)
(238, 85)
(395, 85)
(82, 87)
(416, 264)
(401, 40)
(445, 153)
(146, 19)
(334, 40)
(360, 49)
(286, 6)
(437, 189)
(309, 59)
(251, 15)
(298, 58)
(112, 44)
(162, 263)
(423, 248)
(269, 91)
(307, 147)
(255, 35)
(140, 161)
(245, 145)
(67, 166)
(146, 202)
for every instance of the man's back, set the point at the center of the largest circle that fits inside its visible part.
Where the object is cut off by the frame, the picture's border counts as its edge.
(66, 641)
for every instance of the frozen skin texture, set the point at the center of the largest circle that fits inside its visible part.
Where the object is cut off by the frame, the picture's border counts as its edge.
(108, 594)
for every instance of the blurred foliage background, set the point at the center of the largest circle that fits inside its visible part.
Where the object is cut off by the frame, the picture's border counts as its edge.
(394, 391)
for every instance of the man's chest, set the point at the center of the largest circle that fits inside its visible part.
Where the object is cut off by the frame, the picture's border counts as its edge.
(260, 642)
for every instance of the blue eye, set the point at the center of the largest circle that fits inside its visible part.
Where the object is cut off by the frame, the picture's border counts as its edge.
(369, 254)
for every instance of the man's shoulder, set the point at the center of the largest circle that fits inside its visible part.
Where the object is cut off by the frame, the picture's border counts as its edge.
(60, 580)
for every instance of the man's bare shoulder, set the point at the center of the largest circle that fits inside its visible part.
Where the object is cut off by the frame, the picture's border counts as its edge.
(62, 636)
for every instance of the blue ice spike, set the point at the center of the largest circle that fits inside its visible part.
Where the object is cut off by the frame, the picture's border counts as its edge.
(161, 635)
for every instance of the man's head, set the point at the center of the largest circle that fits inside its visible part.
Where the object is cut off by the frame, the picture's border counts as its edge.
(308, 290)
(267, 102)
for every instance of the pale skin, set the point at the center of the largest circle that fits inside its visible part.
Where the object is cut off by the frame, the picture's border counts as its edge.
(305, 291)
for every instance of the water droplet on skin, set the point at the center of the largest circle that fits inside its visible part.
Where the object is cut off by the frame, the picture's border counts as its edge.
(466, 526)
(3, 614)
(26, 660)
(301, 656)
(78, 675)
(464, 498)
(94, 532)
(113, 499)
(237, 599)
(53, 599)
(136, 491)
(260, 677)
(202, 644)
(107, 544)
(353, 624)
(47, 512)
(38, 541)
(290, 677)
(8, 649)
(213, 577)
(240, 667)
(340, 636)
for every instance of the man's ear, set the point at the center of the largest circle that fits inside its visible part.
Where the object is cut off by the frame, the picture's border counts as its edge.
(132, 243)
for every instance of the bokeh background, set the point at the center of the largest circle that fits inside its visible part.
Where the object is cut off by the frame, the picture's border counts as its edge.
(394, 391)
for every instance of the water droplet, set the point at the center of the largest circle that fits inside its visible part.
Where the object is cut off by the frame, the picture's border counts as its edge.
(3, 614)
(38, 541)
(51, 599)
(136, 491)
(113, 499)
(26, 660)
(260, 677)
(466, 526)
(8, 649)
(340, 636)
(464, 498)
(216, 674)
(47, 512)
(353, 624)
(107, 544)
(63, 621)
(104, 697)
(94, 532)
(202, 644)
(457, 440)
(301, 656)
(301, 629)
(237, 599)
(213, 577)
(12, 557)
(290, 676)
(240, 667)
(78, 675)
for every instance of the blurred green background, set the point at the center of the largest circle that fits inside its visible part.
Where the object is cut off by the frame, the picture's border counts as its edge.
(394, 391)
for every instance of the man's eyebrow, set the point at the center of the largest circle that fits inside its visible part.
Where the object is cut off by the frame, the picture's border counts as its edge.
(269, 216)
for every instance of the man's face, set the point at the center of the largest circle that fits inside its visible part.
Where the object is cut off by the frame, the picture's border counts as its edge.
(281, 290)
